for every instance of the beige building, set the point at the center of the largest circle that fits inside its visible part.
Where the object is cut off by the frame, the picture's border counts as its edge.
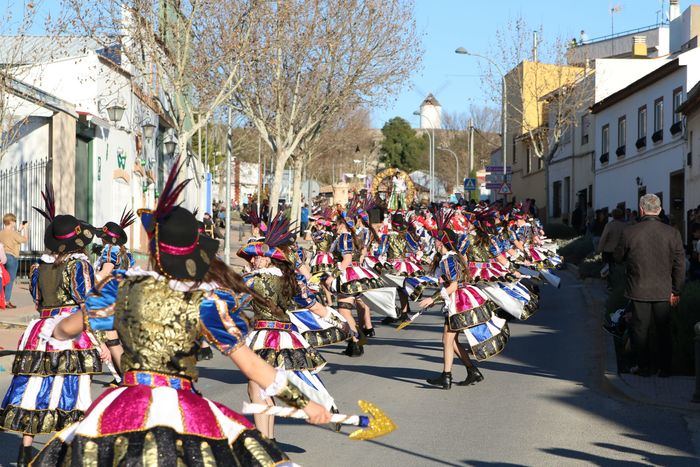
(527, 134)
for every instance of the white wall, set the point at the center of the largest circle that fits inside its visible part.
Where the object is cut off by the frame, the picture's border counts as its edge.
(616, 180)
(31, 144)
(614, 74)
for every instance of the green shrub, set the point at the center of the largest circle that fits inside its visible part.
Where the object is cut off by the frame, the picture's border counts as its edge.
(683, 319)
(556, 230)
(577, 250)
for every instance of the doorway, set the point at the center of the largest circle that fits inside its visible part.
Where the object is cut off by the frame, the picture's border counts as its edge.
(676, 203)
(83, 178)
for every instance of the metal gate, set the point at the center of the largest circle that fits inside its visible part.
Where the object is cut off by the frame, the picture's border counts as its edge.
(20, 189)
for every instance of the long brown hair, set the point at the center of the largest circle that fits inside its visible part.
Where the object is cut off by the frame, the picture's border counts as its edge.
(221, 274)
(465, 274)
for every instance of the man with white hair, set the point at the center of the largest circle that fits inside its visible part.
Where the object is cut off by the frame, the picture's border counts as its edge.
(655, 272)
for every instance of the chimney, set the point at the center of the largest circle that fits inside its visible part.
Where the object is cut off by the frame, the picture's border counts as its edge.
(674, 9)
(639, 46)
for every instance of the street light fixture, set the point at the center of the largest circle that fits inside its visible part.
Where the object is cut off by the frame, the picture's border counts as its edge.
(504, 95)
(149, 130)
(169, 147)
(115, 112)
(443, 148)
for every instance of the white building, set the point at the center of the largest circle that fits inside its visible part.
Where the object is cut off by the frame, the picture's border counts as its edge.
(430, 113)
(691, 109)
(639, 133)
(121, 144)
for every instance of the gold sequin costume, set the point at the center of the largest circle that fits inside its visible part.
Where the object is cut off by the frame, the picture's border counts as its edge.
(156, 417)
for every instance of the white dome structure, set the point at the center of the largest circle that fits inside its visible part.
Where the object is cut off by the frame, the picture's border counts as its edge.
(430, 114)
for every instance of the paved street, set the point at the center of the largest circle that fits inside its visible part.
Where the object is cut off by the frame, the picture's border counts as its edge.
(542, 402)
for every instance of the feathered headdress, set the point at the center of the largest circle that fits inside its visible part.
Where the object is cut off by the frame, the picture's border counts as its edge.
(167, 201)
(255, 220)
(127, 218)
(279, 234)
(49, 211)
(442, 231)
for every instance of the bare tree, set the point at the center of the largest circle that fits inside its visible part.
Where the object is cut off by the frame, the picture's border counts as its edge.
(17, 49)
(535, 68)
(174, 51)
(316, 57)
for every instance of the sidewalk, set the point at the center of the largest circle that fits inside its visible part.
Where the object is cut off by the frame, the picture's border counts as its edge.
(674, 392)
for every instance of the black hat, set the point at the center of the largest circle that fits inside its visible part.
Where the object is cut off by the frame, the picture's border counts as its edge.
(175, 242)
(113, 233)
(65, 233)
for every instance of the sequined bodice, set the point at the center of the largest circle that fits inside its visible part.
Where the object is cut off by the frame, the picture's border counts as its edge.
(54, 285)
(271, 287)
(397, 246)
(322, 240)
(158, 326)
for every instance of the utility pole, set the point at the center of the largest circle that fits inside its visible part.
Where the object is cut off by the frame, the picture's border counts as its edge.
(260, 172)
(229, 155)
(471, 147)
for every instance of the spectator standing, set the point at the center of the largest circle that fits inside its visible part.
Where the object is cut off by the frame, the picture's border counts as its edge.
(12, 241)
(304, 219)
(610, 239)
(655, 272)
(601, 219)
(577, 218)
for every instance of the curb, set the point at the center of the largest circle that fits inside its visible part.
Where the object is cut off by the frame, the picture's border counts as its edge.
(615, 381)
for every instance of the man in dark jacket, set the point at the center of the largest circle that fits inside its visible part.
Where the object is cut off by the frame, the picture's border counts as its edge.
(655, 270)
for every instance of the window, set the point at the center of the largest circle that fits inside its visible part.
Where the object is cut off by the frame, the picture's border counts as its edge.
(584, 128)
(658, 114)
(642, 122)
(677, 101)
(515, 159)
(690, 149)
(677, 125)
(540, 162)
(556, 199)
(528, 161)
(621, 131)
(605, 140)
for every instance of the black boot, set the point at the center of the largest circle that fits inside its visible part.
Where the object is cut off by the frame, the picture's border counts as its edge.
(473, 377)
(25, 456)
(444, 380)
(368, 332)
(354, 349)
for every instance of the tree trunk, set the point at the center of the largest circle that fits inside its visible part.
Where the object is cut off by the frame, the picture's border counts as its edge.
(296, 190)
(280, 161)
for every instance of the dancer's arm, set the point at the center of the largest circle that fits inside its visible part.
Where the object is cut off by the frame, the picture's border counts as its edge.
(260, 372)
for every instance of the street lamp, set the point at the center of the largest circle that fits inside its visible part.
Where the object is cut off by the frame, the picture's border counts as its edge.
(504, 94)
(442, 148)
(149, 129)
(431, 155)
(115, 112)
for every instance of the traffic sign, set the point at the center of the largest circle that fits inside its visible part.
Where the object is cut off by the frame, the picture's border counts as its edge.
(494, 185)
(499, 169)
(505, 189)
(498, 178)
(470, 184)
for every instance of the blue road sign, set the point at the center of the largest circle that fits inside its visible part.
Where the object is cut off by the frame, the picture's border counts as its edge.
(470, 184)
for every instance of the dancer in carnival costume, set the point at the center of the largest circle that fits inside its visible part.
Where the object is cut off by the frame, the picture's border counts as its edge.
(114, 256)
(50, 388)
(400, 248)
(157, 417)
(351, 279)
(274, 336)
(468, 310)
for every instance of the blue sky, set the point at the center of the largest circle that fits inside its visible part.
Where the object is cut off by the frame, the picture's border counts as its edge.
(448, 24)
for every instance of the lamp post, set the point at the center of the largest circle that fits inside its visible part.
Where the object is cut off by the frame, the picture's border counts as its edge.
(229, 154)
(504, 94)
(442, 148)
(431, 156)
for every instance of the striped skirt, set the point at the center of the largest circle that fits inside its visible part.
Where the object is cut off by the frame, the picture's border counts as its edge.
(50, 388)
(157, 420)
